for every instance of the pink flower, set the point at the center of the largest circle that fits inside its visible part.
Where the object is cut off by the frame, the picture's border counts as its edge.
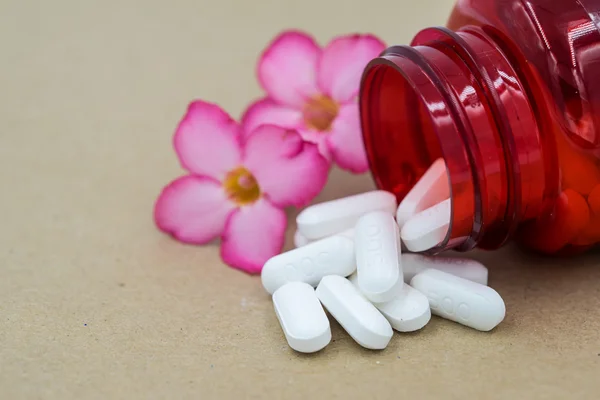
(315, 91)
(237, 186)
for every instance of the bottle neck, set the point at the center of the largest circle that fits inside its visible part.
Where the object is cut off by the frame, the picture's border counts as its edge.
(456, 95)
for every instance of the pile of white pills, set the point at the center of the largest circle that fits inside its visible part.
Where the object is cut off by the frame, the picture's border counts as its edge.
(350, 250)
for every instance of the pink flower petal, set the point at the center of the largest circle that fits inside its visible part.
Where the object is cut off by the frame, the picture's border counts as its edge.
(207, 140)
(317, 138)
(287, 68)
(342, 64)
(266, 111)
(193, 209)
(289, 170)
(253, 234)
(345, 140)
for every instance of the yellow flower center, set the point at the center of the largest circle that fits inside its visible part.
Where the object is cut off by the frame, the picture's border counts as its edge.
(241, 186)
(319, 113)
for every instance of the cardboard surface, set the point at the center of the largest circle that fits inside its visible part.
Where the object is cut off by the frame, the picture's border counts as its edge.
(95, 303)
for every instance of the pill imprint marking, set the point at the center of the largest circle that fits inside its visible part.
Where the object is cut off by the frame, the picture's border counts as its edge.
(307, 268)
(378, 250)
(374, 247)
(330, 256)
(460, 300)
(447, 307)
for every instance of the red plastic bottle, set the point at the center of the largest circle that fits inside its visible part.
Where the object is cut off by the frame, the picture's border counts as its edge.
(509, 95)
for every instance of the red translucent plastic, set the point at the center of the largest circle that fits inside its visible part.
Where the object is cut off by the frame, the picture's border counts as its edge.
(509, 95)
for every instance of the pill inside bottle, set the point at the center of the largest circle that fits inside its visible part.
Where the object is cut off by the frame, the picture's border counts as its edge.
(519, 137)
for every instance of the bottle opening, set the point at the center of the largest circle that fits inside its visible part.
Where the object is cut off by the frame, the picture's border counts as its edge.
(408, 122)
(456, 96)
(400, 136)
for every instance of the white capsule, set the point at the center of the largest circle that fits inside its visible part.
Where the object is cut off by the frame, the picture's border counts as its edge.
(302, 317)
(431, 189)
(407, 312)
(460, 300)
(377, 247)
(331, 256)
(472, 270)
(363, 322)
(300, 240)
(335, 216)
(428, 228)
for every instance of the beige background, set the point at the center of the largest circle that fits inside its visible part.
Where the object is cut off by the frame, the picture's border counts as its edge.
(95, 303)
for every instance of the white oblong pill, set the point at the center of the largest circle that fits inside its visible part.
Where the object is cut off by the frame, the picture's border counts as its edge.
(428, 228)
(331, 256)
(302, 317)
(460, 300)
(336, 216)
(363, 322)
(432, 188)
(407, 312)
(377, 247)
(472, 270)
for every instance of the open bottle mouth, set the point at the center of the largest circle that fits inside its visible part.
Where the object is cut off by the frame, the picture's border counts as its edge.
(436, 99)
(399, 129)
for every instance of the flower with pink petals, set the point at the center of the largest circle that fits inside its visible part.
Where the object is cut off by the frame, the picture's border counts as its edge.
(315, 91)
(238, 185)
